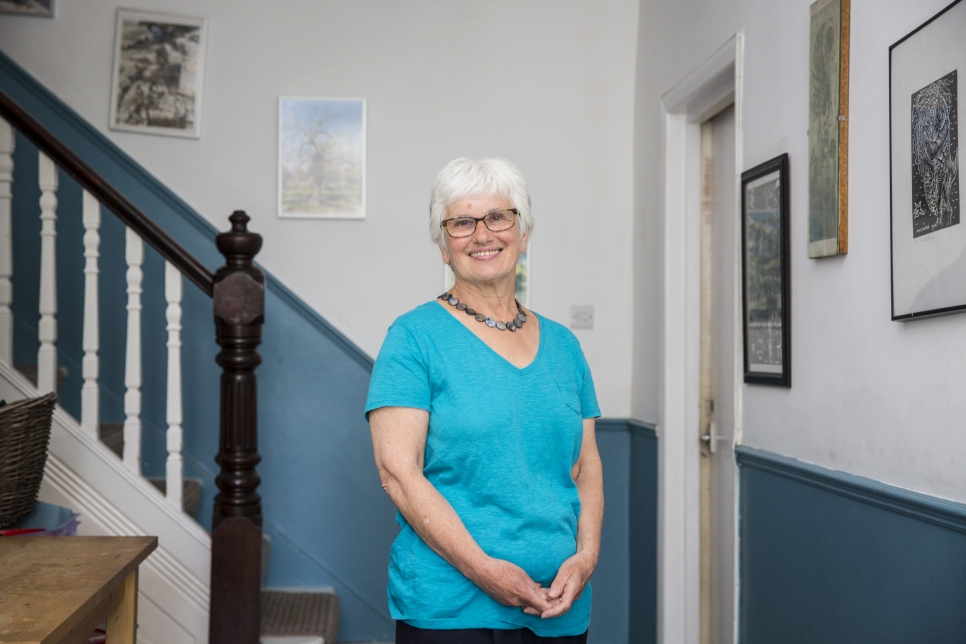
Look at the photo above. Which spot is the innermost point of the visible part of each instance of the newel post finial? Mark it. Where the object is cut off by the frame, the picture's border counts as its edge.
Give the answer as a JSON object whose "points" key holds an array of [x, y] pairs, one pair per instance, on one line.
{"points": [[236, 536]]}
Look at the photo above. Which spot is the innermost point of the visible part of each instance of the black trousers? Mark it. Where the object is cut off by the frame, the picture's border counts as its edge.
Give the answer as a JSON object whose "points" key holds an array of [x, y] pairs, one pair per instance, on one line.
{"points": [[406, 634]]}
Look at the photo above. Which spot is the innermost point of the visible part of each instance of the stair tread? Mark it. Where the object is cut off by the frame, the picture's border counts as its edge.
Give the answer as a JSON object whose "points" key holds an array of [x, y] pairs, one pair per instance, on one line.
{"points": [[190, 492], [286, 612], [112, 435], [29, 371]]}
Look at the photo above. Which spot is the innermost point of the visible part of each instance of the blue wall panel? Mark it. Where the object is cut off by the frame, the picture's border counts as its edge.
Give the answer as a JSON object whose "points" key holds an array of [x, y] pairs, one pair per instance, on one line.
{"points": [[834, 558], [610, 582], [642, 563]]}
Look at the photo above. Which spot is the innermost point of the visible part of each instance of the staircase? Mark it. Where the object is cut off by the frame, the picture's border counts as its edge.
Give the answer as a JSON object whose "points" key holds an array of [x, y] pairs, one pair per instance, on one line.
{"points": [[84, 476], [195, 587], [111, 436]]}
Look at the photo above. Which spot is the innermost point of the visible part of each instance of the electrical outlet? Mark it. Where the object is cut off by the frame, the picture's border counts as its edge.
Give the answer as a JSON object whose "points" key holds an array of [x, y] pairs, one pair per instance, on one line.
{"points": [[581, 317]]}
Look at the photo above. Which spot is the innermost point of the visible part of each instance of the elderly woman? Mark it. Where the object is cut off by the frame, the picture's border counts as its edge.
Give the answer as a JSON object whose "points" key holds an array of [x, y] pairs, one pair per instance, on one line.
{"points": [[482, 417]]}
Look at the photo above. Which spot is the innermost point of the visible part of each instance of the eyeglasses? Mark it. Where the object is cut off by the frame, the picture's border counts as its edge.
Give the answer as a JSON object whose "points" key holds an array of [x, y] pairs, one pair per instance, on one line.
{"points": [[495, 221]]}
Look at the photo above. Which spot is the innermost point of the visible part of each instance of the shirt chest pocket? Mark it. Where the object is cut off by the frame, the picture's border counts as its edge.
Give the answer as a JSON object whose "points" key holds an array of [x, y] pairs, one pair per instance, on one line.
{"points": [[567, 386]]}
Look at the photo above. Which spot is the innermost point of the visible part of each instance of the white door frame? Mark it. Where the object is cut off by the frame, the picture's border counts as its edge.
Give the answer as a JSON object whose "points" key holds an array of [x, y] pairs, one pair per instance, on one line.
{"points": [[715, 84]]}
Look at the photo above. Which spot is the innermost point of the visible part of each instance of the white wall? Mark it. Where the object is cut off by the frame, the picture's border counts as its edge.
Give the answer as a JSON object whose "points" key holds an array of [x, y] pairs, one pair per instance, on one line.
{"points": [[870, 396], [546, 83]]}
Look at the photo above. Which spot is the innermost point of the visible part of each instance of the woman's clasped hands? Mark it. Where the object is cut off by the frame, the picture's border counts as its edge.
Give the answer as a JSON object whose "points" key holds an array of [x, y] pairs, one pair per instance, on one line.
{"points": [[508, 584]]}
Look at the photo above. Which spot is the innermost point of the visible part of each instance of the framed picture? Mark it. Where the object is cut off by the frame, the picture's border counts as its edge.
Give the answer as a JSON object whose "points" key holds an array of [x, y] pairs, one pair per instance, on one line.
{"points": [[828, 129], [158, 71], [928, 240], [766, 271], [44, 8], [322, 158], [522, 285]]}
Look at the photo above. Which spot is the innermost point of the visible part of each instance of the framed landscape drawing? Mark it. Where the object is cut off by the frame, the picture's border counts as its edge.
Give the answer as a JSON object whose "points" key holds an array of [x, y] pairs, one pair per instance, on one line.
{"points": [[828, 129], [766, 271], [928, 239], [322, 158], [522, 285], [44, 8], [159, 62]]}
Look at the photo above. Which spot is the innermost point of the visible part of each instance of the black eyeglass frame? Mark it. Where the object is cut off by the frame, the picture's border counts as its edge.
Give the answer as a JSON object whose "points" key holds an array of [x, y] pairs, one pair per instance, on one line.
{"points": [[516, 213]]}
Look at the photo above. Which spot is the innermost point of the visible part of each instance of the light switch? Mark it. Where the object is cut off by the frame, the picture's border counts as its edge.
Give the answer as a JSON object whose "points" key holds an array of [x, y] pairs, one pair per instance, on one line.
{"points": [[582, 317]]}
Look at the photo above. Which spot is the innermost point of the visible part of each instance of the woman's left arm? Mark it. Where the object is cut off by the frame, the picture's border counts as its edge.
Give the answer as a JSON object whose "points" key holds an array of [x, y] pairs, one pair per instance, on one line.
{"points": [[575, 572]]}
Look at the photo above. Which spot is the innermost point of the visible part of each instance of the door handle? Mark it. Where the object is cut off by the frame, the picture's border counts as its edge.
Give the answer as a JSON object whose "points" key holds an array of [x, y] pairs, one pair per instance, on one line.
{"points": [[711, 438]]}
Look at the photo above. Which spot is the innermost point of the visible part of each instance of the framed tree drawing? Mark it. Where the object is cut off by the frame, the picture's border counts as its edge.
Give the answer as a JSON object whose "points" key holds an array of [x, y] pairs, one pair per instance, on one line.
{"points": [[928, 240], [322, 158], [828, 129], [766, 272], [158, 73]]}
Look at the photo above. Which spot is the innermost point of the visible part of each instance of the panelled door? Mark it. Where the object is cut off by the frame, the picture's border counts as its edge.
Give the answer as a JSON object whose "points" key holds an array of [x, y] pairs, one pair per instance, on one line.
{"points": [[718, 377]]}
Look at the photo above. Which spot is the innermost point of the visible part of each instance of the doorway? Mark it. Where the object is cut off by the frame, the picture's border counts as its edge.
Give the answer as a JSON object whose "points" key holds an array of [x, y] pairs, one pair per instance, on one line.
{"points": [[697, 592], [716, 426]]}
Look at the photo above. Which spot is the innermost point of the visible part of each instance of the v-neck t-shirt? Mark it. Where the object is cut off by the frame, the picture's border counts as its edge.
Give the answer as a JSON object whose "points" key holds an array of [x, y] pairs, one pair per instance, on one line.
{"points": [[500, 447]]}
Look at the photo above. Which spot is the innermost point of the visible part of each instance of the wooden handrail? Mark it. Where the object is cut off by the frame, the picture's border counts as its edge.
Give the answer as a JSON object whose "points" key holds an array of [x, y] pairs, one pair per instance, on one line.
{"points": [[107, 195]]}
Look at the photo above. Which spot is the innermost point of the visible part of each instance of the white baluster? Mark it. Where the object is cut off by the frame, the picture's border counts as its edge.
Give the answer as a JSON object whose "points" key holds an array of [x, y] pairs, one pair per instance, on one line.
{"points": [[90, 395], [6, 242], [47, 355], [134, 252], [175, 467]]}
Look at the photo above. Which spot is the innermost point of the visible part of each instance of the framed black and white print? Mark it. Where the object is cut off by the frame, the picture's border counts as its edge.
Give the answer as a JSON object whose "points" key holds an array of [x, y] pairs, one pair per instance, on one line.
{"points": [[928, 239], [43, 8], [766, 270], [159, 62]]}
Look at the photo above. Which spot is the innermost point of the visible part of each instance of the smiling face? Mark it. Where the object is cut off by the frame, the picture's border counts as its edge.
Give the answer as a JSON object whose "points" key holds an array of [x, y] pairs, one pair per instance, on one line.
{"points": [[484, 258]]}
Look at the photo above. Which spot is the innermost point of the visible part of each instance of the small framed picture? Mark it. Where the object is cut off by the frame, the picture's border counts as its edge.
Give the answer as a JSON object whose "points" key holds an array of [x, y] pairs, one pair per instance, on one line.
{"points": [[828, 128], [43, 8], [521, 286], [158, 73], [766, 271], [928, 238], [322, 158]]}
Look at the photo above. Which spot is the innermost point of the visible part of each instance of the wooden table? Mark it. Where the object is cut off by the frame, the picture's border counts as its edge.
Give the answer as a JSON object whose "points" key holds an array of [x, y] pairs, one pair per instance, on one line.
{"points": [[57, 590]]}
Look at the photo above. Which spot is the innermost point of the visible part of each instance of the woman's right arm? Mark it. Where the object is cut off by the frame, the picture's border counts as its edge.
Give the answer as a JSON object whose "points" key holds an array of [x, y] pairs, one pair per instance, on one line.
{"points": [[399, 442]]}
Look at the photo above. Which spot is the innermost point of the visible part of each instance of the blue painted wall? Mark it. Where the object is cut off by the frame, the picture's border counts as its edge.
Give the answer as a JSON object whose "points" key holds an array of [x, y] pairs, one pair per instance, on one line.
{"points": [[329, 520], [834, 558], [608, 619], [642, 563]]}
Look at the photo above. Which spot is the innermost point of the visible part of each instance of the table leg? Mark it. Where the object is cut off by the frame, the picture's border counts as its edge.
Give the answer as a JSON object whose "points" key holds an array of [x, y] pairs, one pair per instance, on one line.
{"points": [[122, 622]]}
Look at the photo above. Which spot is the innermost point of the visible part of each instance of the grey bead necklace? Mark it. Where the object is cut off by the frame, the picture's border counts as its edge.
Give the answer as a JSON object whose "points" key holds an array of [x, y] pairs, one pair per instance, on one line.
{"points": [[512, 325]]}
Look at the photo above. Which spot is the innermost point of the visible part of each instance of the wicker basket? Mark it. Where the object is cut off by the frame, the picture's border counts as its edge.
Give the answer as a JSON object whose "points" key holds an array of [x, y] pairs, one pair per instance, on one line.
{"points": [[24, 432]]}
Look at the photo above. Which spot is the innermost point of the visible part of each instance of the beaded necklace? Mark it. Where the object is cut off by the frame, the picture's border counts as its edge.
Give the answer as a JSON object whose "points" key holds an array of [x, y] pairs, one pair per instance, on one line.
{"points": [[512, 325]]}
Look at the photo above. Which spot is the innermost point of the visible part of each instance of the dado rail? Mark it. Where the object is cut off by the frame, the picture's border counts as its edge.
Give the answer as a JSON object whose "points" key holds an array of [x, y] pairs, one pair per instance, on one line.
{"points": [[238, 296]]}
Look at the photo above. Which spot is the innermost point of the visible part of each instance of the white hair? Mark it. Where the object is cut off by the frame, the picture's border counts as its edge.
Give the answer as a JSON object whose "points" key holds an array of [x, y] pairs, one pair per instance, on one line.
{"points": [[465, 178]]}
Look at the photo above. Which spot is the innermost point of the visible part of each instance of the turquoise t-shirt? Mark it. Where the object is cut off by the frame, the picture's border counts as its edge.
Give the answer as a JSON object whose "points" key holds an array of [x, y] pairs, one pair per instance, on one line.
{"points": [[501, 444]]}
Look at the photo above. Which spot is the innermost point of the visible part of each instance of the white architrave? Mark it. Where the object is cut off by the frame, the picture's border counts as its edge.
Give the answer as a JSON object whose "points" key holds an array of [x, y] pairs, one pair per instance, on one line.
{"points": [[6, 242], [134, 253], [705, 91], [90, 394], [174, 469], [47, 354]]}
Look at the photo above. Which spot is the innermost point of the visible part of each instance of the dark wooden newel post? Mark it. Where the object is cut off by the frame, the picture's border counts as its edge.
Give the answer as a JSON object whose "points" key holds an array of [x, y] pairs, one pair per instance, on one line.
{"points": [[236, 535]]}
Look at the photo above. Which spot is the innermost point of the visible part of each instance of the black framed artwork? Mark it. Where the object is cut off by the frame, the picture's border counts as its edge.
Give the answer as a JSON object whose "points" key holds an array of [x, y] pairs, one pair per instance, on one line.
{"points": [[928, 242], [766, 271]]}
